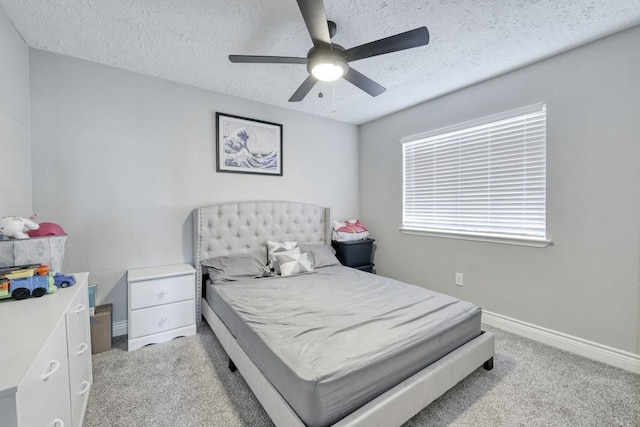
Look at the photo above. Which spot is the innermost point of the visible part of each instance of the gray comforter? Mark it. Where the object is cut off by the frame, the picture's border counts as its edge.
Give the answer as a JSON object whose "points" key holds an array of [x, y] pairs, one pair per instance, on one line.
{"points": [[332, 340]]}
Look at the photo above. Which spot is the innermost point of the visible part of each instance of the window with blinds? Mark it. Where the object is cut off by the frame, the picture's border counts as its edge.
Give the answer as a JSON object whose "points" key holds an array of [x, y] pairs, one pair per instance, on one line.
{"points": [[484, 178]]}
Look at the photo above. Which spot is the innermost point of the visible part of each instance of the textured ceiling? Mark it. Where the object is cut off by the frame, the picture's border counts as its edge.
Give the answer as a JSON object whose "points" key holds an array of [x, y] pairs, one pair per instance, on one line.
{"points": [[188, 41]]}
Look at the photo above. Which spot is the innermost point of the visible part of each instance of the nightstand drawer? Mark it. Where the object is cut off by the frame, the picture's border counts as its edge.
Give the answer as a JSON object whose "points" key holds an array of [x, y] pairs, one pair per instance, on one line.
{"points": [[166, 290], [152, 320]]}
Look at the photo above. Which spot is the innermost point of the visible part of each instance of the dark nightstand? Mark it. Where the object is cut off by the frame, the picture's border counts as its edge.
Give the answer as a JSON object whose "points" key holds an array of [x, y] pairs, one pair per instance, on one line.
{"points": [[357, 254]]}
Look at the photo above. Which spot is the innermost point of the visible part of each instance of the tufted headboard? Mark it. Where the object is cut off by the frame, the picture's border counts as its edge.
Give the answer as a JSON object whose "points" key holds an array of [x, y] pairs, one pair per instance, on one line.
{"points": [[237, 228]]}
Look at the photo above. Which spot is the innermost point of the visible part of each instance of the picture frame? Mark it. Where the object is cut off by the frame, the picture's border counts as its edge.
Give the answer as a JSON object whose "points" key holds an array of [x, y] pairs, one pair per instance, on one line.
{"points": [[245, 145]]}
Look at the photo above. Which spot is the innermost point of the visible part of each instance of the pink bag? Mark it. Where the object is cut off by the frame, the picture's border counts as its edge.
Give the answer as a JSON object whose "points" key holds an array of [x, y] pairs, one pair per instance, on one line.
{"points": [[352, 227], [349, 231]]}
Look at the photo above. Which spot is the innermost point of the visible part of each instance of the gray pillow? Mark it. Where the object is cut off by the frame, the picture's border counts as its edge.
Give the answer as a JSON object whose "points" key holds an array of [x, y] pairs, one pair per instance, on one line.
{"points": [[235, 267], [322, 255]]}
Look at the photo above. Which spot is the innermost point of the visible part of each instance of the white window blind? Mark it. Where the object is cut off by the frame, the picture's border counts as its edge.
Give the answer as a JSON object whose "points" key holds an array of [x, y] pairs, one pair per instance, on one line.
{"points": [[484, 178]]}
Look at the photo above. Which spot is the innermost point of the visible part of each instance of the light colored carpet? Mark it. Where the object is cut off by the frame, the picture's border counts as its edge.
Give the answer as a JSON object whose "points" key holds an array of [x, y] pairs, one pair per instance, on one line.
{"points": [[186, 382]]}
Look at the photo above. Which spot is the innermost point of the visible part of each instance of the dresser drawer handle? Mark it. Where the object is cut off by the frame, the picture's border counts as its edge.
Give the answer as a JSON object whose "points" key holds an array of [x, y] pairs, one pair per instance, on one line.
{"points": [[80, 308], [163, 319], [83, 348], [58, 423], [53, 367], [163, 292], [85, 387]]}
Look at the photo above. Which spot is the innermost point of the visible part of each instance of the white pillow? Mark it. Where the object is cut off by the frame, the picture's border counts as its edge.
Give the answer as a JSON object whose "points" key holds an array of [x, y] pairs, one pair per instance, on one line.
{"points": [[292, 263], [276, 264], [274, 247]]}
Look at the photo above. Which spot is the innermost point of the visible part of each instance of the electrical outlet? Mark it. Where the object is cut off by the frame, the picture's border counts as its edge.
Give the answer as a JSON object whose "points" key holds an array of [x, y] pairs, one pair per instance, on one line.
{"points": [[459, 279]]}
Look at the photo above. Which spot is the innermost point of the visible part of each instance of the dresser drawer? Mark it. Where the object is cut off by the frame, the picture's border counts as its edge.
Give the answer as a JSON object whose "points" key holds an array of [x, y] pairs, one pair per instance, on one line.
{"points": [[146, 321], [43, 393], [149, 293], [79, 350], [78, 323]]}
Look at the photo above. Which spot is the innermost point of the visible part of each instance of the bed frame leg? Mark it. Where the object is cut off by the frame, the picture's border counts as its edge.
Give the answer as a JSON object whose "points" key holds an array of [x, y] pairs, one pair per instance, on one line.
{"points": [[488, 365], [232, 366]]}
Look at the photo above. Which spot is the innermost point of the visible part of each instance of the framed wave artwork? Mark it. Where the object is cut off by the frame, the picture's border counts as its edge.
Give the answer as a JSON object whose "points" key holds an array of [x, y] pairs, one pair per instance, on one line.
{"points": [[248, 146]]}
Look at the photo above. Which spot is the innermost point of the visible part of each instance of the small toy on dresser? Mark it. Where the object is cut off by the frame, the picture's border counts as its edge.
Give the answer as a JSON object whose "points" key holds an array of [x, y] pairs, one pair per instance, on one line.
{"points": [[20, 282], [64, 280]]}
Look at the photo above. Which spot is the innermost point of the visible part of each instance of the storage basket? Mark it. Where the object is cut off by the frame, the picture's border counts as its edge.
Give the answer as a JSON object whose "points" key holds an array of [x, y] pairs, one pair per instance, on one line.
{"points": [[47, 250]]}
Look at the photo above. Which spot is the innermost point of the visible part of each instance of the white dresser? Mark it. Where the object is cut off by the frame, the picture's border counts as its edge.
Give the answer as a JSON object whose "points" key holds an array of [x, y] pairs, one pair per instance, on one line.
{"points": [[45, 354], [161, 304]]}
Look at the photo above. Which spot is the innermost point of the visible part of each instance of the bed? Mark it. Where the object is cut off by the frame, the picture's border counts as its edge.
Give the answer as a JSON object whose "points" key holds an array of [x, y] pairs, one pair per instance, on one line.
{"points": [[294, 352]]}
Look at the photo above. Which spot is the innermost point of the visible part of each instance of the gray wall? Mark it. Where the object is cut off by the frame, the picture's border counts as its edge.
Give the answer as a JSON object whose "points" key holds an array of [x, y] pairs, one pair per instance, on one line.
{"points": [[586, 284], [15, 185], [123, 159]]}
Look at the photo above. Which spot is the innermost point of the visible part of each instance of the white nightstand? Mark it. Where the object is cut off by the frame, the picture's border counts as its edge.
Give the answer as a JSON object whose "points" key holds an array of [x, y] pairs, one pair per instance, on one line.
{"points": [[161, 304]]}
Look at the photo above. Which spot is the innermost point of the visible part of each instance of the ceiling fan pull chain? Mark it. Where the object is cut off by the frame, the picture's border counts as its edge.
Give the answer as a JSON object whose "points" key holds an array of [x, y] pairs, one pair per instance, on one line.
{"points": [[333, 99]]}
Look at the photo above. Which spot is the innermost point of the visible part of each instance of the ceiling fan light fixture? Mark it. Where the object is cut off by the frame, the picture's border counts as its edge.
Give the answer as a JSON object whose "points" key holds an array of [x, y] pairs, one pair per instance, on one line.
{"points": [[327, 66], [328, 71]]}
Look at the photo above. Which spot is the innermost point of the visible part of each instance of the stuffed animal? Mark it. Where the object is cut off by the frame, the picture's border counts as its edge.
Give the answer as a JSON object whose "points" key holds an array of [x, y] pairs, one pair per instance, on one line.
{"points": [[15, 226]]}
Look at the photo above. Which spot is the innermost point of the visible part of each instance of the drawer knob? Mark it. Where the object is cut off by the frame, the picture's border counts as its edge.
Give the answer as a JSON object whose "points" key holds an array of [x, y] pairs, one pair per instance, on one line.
{"points": [[85, 387], [83, 348], [53, 367], [163, 292], [58, 423], [163, 319]]}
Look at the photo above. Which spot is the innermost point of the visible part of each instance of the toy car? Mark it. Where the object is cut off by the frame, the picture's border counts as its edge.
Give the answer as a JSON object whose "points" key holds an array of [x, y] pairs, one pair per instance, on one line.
{"points": [[23, 281], [63, 280]]}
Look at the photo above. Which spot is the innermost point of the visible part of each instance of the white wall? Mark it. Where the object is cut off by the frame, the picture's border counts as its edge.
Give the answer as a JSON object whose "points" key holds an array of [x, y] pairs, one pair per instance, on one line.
{"points": [[15, 184], [123, 159], [586, 284]]}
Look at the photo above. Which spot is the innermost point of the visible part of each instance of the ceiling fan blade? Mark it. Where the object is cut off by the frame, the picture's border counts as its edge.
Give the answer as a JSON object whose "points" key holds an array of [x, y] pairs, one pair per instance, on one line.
{"points": [[304, 89], [402, 41], [316, 20], [257, 59], [363, 82]]}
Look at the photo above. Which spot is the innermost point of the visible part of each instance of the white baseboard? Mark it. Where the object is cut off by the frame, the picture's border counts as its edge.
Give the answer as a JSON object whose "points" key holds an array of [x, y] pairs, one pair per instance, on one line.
{"points": [[120, 328], [602, 353]]}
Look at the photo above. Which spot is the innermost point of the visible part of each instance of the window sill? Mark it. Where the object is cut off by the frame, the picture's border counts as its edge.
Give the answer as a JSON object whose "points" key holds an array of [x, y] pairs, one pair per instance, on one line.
{"points": [[536, 243]]}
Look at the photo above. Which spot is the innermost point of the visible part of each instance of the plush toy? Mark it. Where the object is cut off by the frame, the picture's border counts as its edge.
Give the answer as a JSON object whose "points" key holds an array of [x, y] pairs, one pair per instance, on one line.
{"points": [[15, 226]]}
